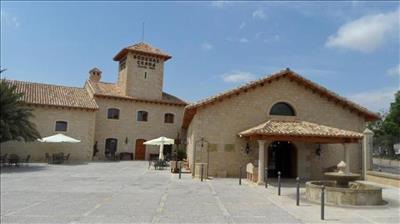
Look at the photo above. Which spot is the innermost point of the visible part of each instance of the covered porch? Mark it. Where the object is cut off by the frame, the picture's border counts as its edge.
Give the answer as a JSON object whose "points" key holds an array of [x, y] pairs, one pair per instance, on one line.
{"points": [[283, 133]]}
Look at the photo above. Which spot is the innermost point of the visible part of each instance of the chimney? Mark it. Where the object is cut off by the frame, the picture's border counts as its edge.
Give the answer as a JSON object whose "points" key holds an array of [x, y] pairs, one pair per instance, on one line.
{"points": [[95, 75]]}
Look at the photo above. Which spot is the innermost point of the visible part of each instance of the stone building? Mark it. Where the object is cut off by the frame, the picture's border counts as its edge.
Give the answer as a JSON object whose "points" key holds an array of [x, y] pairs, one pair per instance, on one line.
{"points": [[113, 118], [282, 122]]}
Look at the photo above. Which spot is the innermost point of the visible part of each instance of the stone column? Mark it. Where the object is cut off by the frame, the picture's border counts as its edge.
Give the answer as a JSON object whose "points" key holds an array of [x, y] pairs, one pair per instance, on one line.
{"points": [[346, 157], [367, 151], [261, 161]]}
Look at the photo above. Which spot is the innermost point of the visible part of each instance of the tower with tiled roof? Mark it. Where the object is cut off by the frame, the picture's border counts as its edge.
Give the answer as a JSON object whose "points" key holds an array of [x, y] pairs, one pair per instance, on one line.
{"points": [[141, 71]]}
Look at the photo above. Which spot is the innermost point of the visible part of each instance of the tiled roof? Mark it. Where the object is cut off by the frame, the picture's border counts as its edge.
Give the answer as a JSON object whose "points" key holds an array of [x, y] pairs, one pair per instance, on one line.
{"points": [[296, 128], [54, 95], [142, 48], [113, 90], [190, 110]]}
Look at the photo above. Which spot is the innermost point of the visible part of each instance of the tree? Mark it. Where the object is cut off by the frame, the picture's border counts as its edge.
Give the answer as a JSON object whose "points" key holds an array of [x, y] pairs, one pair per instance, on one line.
{"points": [[387, 130], [15, 115]]}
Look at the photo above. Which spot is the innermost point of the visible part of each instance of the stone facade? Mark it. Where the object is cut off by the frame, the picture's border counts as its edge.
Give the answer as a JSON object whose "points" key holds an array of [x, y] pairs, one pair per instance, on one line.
{"points": [[139, 88], [81, 125], [127, 126], [220, 123], [142, 81]]}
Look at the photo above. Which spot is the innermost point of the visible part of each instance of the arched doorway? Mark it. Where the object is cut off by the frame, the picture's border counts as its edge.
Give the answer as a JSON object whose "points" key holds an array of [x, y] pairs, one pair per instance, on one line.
{"points": [[282, 156], [140, 149]]}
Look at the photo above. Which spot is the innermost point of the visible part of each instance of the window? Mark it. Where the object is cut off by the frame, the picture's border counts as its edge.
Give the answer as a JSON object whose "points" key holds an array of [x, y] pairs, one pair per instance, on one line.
{"points": [[282, 109], [168, 118], [142, 116], [113, 113], [61, 125], [111, 147]]}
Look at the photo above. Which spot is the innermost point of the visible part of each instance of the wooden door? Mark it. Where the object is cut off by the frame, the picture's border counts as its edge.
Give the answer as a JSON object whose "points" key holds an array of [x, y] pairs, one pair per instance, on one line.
{"points": [[140, 149]]}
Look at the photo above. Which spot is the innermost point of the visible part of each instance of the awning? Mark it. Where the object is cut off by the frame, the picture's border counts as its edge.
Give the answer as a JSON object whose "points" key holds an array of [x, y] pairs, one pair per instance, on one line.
{"points": [[59, 138], [297, 130]]}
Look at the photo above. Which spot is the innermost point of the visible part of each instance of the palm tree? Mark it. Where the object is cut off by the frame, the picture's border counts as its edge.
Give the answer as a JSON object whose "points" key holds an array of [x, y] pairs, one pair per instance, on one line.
{"points": [[15, 115]]}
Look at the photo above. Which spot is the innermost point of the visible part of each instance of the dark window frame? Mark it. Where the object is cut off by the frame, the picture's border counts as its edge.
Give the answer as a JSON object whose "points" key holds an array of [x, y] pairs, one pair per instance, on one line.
{"points": [[169, 118], [142, 116], [282, 109], [114, 116], [61, 129]]}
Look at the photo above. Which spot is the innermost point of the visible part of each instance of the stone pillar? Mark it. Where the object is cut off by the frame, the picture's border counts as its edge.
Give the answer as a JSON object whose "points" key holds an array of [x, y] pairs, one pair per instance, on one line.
{"points": [[367, 151], [346, 158], [261, 164]]}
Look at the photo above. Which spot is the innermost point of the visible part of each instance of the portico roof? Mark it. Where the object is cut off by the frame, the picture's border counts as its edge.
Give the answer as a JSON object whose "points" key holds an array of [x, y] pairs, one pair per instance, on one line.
{"points": [[297, 130]]}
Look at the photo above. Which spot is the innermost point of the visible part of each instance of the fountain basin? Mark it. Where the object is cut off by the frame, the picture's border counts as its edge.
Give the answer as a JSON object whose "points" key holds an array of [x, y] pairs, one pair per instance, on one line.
{"points": [[355, 194], [342, 179]]}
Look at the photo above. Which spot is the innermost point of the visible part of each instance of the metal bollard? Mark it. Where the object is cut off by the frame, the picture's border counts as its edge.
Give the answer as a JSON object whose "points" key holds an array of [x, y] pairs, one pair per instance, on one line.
{"points": [[298, 191], [201, 172], [180, 170], [266, 177], [240, 176], [279, 183], [323, 202]]}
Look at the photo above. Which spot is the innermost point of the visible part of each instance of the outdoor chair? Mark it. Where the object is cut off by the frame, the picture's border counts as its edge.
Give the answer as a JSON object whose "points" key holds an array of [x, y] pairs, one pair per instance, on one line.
{"points": [[13, 159], [67, 157], [47, 157], [3, 159], [26, 160], [58, 158]]}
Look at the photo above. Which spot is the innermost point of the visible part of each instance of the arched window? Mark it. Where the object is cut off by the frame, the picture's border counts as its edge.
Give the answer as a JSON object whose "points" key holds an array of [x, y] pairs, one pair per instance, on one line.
{"points": [[111, 147], [61, 126], [113, 113], [282, 109], [142, 115], [169, 118]]}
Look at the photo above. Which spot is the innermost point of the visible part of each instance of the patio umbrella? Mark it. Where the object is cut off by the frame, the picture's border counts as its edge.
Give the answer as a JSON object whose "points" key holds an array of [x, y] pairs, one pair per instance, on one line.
{"points": [[59, 138], [161, 141]]}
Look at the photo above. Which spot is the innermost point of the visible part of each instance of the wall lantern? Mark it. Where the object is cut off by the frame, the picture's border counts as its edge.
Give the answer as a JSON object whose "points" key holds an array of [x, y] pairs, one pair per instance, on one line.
{"points": [[318, 150], [126, 140], [247, 148]]}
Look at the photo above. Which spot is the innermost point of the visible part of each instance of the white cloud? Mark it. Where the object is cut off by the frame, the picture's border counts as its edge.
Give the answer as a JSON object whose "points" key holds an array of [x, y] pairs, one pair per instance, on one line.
{"points": [[242, 25], [375, 100], [9, 20], [395, 71], [207, 46], [258, 14], [220, 4], [238, 76], [243, 40], [240, 40], [367, 33]]}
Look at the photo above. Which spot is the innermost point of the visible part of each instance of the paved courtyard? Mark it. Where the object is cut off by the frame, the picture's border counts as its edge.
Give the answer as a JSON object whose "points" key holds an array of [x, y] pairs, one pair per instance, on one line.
{"points": [[127, 192]]}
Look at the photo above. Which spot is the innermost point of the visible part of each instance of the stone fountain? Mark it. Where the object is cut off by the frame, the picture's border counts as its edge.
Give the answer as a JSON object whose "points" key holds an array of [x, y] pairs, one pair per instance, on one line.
{"points": [[341, 177], [342, 190]]}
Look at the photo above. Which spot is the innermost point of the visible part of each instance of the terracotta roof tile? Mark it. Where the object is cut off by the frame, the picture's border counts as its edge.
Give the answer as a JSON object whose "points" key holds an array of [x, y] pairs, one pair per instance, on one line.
{"points": [[142, 48], [54, 95], [113, 90], [298, 129]]}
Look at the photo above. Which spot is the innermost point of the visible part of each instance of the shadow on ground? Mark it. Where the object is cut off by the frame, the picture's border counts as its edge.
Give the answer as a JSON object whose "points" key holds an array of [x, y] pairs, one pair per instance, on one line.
{"points": [[21, 169]]}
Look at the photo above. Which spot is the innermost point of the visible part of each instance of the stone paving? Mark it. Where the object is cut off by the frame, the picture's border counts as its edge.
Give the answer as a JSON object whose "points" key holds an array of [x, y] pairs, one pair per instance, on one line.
{"points": [[127, 192]]}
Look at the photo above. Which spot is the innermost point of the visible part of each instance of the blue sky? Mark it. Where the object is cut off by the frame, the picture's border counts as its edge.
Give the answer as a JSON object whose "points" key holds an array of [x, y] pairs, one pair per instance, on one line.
{"points": [[351, 48]]}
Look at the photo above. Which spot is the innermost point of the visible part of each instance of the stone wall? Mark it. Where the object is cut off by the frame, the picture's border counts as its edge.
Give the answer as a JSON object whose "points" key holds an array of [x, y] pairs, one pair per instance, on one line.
{"points": [[127, 126], [81, 125], [220, 123], [138, 84]]}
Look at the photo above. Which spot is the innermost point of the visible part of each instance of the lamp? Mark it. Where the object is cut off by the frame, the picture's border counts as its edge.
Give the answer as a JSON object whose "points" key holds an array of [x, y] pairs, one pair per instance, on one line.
{"points": [[247, 148], [126, 140], [318, 150]]}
